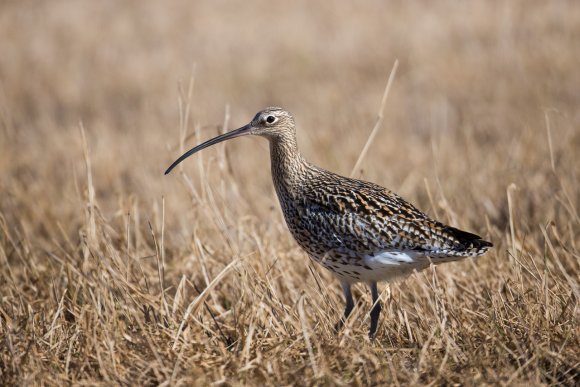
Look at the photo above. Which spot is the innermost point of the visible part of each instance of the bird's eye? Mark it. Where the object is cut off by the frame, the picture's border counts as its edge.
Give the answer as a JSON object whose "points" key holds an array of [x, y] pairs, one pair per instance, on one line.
{"points": [[270, 119]]}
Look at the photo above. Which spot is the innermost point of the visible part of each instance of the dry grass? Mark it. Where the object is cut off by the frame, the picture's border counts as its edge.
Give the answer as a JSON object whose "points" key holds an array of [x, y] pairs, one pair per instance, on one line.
{"points": [[112, 273]]}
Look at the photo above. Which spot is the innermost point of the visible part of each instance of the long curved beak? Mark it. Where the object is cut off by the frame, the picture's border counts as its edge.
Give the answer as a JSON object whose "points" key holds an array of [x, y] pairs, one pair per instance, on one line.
{"points": [[226, 136]]}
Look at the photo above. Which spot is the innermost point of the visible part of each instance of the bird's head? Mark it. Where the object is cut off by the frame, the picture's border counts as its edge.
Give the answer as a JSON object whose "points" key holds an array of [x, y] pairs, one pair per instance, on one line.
{"points": [[273, 123]]}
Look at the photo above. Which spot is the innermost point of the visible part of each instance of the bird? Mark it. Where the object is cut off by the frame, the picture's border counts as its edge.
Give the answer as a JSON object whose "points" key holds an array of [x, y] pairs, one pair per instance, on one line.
{"points": [[358, 230]]}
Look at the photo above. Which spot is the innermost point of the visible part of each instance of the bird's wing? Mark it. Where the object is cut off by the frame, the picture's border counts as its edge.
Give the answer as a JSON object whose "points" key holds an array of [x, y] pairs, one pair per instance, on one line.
{"points": [[365, 217]]}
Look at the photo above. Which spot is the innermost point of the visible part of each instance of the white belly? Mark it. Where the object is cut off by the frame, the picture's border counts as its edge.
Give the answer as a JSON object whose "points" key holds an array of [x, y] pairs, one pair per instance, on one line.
{"points": [[390, 266]]}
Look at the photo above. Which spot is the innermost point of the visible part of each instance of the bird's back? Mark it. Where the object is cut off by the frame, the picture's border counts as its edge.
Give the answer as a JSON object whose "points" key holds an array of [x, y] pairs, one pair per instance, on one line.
{"points": [[342, 219]]}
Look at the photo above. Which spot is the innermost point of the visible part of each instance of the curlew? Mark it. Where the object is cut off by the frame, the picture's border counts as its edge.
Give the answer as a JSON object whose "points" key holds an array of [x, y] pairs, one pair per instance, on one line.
{"points": [[358, 230]]}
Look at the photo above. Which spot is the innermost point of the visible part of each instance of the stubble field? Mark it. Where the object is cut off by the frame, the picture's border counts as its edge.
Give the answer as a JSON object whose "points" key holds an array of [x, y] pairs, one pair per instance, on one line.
{"points": [[111, 273]]}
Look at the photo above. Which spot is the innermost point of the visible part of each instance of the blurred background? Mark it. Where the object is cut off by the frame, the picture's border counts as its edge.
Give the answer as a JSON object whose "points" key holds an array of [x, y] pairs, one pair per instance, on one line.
{"points": [[486, 97]]}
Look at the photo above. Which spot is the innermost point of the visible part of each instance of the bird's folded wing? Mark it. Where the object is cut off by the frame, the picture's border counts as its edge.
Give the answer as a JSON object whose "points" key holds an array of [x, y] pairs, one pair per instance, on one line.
{"points": [[370, 218]]}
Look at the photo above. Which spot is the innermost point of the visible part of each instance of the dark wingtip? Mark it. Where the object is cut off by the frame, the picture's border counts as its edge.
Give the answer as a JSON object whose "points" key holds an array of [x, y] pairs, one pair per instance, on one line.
{"points": [[481, 244], [484, 243], [467, 238]]}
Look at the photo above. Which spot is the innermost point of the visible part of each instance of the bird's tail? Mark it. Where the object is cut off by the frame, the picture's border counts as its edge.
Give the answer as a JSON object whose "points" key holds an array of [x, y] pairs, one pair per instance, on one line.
{"points": [[469, 245]]}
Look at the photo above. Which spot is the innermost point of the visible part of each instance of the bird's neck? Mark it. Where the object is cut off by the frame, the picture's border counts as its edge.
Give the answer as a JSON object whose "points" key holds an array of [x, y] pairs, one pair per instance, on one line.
{"points": [[288, 166]]}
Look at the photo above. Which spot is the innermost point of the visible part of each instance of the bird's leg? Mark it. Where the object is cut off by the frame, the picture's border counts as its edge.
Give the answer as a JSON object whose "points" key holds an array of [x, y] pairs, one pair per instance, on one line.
{"points": [[349, 305], [376, 310]]}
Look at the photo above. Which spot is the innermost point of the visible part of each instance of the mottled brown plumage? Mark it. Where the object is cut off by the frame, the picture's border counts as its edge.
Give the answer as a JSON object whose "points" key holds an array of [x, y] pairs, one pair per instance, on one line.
{"points": [[358, 230]]}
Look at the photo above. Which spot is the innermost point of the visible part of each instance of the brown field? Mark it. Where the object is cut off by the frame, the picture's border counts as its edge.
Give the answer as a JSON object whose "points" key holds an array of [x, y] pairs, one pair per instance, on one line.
{"points": [[111, 273]]}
